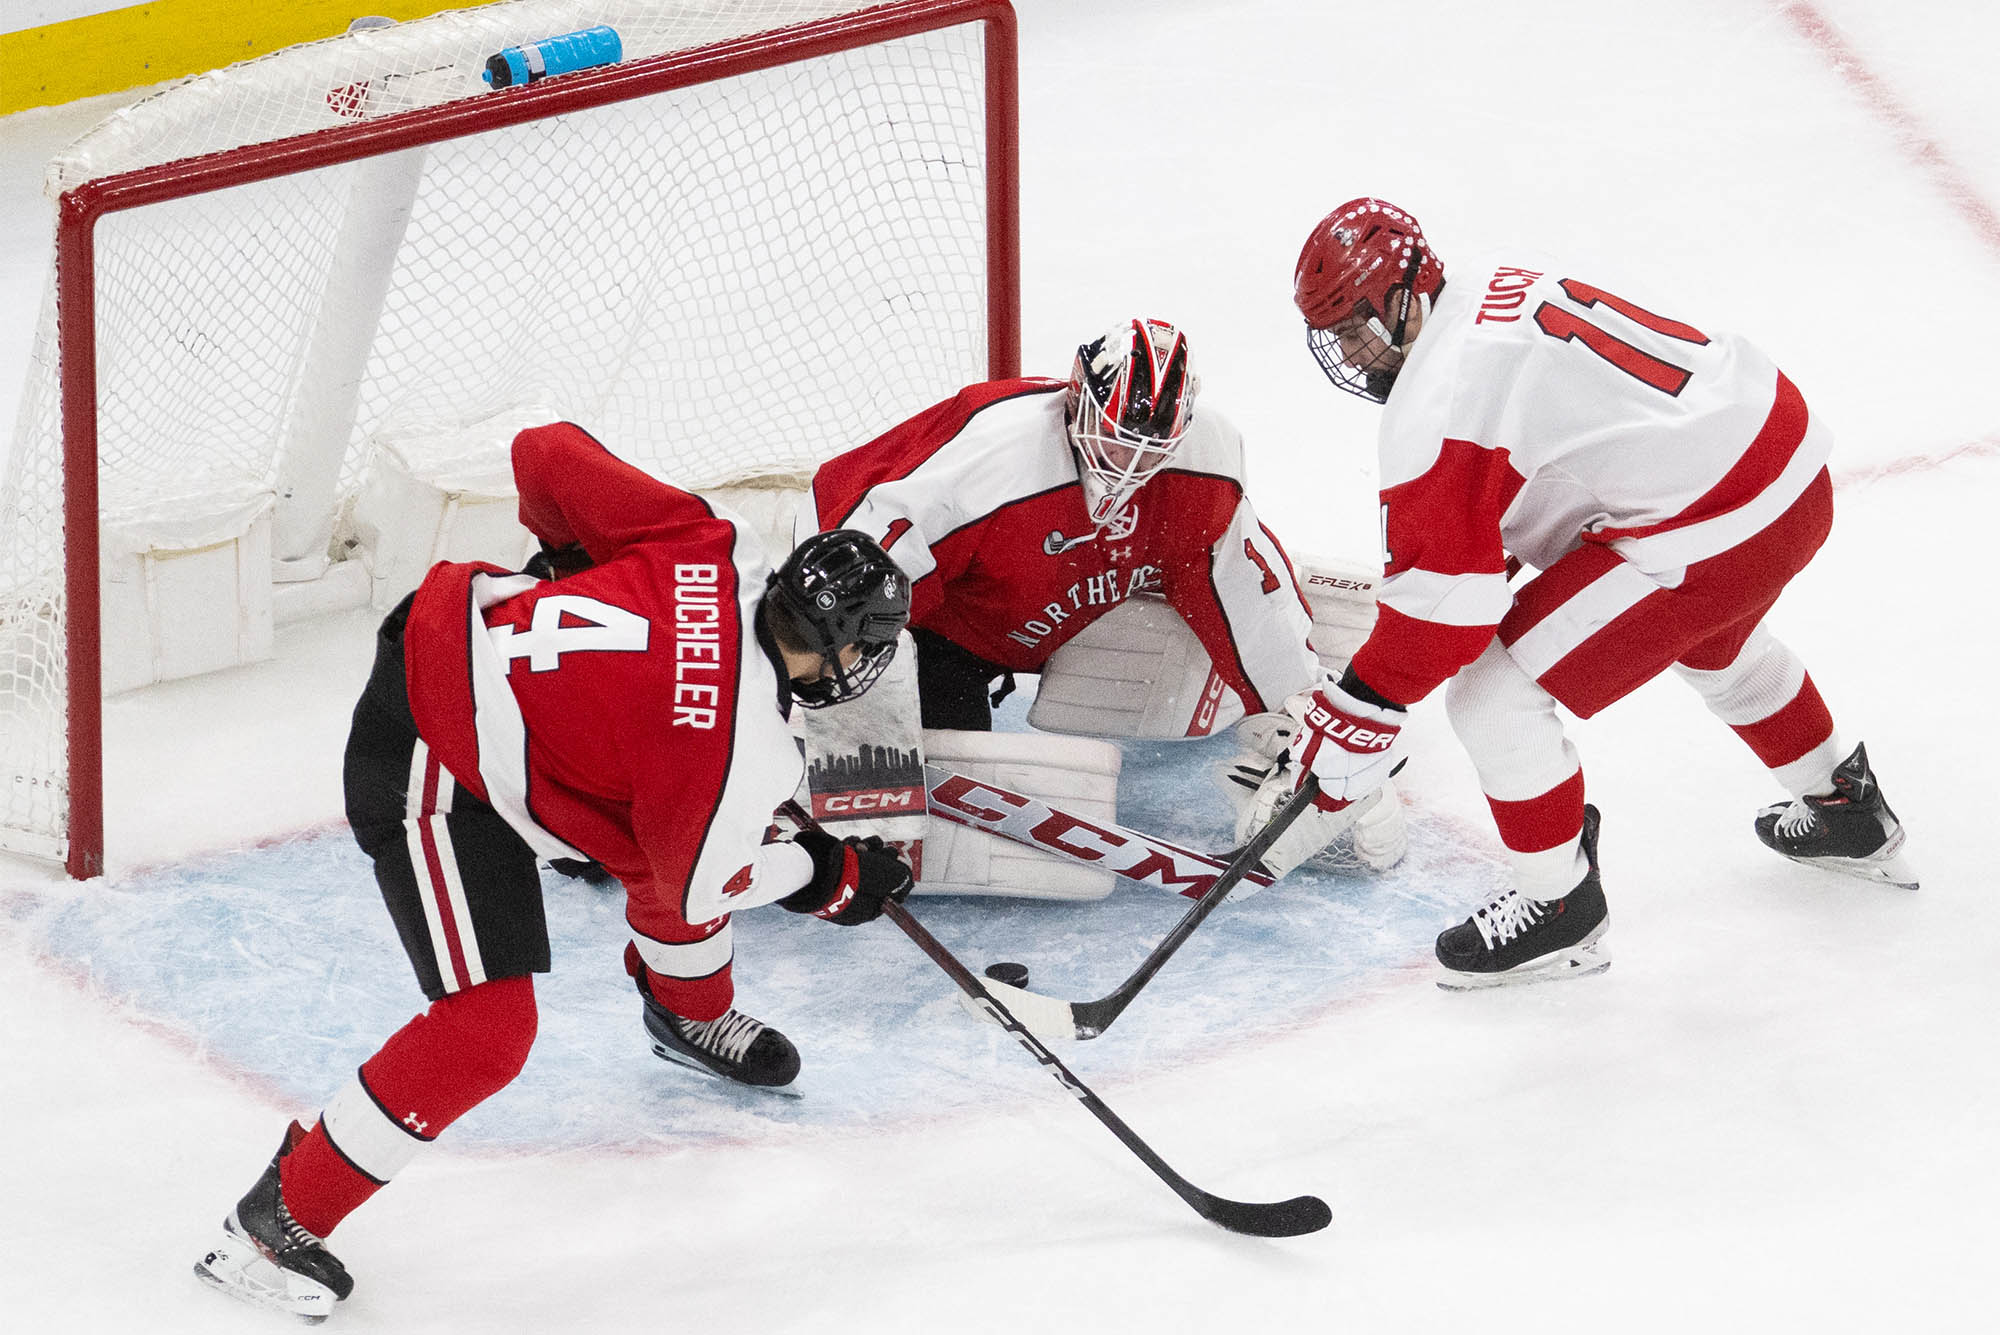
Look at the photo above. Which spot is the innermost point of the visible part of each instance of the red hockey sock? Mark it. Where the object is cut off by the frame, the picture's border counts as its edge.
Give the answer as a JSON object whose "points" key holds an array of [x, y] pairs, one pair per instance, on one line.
{"points": [[690, 998], [1790, 731], [430, 1073], [320, 1187]]}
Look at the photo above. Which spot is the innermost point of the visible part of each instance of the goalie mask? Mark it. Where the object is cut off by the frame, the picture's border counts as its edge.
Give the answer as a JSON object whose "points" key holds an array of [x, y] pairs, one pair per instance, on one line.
{"points": [[839, 589], [1365, 267], [1131, 397]]}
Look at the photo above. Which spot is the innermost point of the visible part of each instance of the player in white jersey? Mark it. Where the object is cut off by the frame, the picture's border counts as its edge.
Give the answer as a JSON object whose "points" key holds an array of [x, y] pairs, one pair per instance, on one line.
{"points": [[1665, 481]]}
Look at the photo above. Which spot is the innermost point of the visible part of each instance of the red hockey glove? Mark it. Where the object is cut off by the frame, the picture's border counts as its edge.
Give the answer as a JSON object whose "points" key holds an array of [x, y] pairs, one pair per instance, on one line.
{"points": [[852, 878], [1349, 744]]}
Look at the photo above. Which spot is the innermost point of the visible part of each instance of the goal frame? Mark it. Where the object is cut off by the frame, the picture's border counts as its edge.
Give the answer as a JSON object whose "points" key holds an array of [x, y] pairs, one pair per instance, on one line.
{"points": [[79, 209]]}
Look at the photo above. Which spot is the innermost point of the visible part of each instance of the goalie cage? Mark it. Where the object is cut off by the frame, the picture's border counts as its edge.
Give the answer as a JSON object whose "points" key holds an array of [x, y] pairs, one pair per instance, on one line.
{"points": [[279, 280]]}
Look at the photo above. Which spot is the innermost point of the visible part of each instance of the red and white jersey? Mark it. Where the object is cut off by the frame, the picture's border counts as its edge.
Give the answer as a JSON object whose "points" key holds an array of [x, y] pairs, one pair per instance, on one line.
{"points": [[980, 500], [627, 712], [1538, 412]]}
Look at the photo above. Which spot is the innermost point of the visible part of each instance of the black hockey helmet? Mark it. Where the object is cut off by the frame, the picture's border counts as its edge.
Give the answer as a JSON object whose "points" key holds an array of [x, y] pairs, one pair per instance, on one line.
{"points": [[835, 589]]}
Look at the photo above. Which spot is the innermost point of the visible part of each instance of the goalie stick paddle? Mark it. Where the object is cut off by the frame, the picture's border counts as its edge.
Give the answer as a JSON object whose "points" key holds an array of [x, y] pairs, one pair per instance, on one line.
{"points": [[1088, 1019], [1272, 1219], [983, 804]]}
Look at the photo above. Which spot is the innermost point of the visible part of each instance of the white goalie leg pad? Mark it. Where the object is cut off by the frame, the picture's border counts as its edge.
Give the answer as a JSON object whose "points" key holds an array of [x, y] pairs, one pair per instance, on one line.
{"points": [[1341, 595], [1079, 775], [769, 505], [1137, 671]]}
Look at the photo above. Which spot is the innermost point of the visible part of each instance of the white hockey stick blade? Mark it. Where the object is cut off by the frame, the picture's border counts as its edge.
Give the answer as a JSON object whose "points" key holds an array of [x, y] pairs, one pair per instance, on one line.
{"points": [[1140, 857], [1049, 1019]]}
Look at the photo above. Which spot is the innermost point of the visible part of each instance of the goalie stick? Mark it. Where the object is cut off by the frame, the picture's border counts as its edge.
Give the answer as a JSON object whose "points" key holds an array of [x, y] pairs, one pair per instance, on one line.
{"points": [[1262, 1219], [1088, 1019], [985, 805]]}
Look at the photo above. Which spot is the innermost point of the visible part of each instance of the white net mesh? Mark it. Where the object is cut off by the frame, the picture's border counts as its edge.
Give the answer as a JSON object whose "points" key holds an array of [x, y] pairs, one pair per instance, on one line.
{"points": [[724, 281]]}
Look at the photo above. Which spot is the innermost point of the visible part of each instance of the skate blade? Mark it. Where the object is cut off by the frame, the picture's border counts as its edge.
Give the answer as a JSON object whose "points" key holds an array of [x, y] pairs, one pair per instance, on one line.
{"points": [[1894, 870], [1579, 961], [667, 1054], [237, 1268]]}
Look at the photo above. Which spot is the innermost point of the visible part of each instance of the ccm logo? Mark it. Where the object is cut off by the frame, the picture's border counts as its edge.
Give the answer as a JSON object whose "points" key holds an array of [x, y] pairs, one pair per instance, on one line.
{"points": [[904, 799], [1348, 733]]}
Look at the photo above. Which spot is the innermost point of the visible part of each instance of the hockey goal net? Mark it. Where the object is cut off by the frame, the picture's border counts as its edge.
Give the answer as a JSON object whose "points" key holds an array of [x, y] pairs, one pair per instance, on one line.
{"points": [[772, 229]]}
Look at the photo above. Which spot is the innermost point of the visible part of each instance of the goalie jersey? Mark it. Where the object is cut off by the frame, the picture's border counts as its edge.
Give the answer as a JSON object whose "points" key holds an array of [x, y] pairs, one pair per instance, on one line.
{"points": [[629, 712], [980, 500], [1538, 412]]}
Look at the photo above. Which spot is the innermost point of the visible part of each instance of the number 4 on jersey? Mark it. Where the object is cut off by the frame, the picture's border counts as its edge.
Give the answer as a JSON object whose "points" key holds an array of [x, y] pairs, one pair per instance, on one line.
{"points": [[570, 623], [1566, 325]]}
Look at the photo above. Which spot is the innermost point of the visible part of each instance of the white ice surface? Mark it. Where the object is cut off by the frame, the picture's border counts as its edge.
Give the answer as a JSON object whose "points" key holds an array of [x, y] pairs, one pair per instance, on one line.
{"points": [[1777, 1110]]}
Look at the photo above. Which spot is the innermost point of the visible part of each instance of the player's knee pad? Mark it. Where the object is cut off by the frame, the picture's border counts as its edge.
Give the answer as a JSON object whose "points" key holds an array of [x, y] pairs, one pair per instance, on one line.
{"points": [[1078, 775], [1509, 727], [492, 1028]]}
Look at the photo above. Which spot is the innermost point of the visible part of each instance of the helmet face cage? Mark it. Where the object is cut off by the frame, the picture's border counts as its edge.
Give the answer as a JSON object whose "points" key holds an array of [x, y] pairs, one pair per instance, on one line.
{"points": [[1354, 265], [1131, 399], [840, 589]]}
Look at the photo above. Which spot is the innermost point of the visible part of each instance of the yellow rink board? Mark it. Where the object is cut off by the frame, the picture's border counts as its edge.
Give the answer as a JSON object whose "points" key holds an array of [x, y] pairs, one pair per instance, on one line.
{"points": [[169, 39]]}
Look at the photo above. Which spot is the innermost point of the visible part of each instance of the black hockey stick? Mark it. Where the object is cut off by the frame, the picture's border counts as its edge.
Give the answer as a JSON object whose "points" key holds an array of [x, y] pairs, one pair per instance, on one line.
{"points": [[1273, 1219], [1088, 1019]]}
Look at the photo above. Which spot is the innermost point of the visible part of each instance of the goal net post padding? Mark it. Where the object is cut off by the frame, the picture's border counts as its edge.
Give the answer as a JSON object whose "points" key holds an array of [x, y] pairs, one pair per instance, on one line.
{"points": [[769, 232]]}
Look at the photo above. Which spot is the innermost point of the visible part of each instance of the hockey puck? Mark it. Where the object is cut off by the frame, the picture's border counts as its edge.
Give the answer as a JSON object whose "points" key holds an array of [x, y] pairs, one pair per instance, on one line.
{"points": [[1013, 975]]}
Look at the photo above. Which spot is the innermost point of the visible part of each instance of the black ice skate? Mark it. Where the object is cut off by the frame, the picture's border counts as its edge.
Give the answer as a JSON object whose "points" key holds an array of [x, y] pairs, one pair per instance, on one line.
{"points": [[733, 1045], [1515, 939], [266, 1257], [1852, 831]]}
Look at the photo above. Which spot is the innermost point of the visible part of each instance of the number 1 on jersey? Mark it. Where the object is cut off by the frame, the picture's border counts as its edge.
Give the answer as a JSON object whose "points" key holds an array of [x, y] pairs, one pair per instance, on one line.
{"points": [[1635, 362]]}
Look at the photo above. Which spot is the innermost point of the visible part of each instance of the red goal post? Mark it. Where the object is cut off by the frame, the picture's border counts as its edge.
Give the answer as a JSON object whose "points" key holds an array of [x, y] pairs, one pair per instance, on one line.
{"points": [[882, 312]]}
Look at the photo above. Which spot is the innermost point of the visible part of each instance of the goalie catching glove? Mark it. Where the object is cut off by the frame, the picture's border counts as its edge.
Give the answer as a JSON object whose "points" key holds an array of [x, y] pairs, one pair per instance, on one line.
{"points": [[852, 878], [1351, 745]]}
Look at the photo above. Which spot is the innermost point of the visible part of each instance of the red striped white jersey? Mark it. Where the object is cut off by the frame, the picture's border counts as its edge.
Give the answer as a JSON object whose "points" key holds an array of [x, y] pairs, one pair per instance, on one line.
{"points": [[980, 500], [1538, 412], [627, 712]]}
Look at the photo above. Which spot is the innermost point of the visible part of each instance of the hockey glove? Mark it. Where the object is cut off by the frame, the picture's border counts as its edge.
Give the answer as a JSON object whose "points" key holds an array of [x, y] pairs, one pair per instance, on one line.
{"points": [[556, 562], [1352, 746], [852, 878]]}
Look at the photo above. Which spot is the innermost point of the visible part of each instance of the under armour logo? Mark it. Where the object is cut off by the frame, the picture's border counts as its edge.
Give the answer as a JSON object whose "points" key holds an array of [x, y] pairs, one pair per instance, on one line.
{"points": [[410, 1120], [1056, 544], [1120, 553]]}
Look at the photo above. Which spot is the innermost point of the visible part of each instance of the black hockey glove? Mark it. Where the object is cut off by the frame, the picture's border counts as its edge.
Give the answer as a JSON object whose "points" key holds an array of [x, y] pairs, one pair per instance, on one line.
{"points": [[556, 562], [852, 878]]}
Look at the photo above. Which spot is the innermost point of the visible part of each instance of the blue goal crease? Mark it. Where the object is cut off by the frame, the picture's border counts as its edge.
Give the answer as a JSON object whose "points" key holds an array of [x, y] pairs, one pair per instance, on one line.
{"points": [[280, 961]]}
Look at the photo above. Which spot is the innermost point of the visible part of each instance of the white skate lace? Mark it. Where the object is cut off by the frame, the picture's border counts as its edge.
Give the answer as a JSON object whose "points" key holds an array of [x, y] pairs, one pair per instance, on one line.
{"points": [[1797, 819], [1506, 918], [728, 1036]]}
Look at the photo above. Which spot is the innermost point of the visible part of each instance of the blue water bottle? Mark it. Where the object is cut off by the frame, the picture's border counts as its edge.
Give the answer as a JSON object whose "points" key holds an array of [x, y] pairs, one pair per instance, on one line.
{"points": [[555, 55]]}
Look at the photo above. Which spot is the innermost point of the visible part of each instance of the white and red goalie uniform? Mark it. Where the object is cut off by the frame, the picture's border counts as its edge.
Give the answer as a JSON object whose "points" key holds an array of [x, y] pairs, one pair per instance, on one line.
{"points": [[626, 713], [981, 502], [1667, 480]]}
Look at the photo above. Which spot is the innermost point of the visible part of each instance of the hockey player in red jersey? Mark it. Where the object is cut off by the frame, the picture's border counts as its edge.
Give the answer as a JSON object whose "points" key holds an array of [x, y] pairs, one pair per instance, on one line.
{"points": [[634, 713], [1024, 510], [1664, 480]]}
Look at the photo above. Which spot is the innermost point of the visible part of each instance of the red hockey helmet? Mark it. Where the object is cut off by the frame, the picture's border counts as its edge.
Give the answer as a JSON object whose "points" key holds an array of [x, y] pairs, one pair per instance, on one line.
{"points": [[1131, 398], [1353, 265]]}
